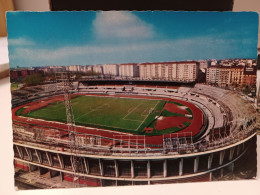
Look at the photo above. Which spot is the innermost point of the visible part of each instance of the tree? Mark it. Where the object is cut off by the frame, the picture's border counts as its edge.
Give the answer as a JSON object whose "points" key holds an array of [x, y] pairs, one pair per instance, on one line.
{"points": [[33, 79]]}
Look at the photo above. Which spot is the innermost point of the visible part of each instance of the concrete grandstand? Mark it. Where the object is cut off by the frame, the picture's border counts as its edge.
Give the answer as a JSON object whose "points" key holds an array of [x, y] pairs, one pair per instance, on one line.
{"points": [[219, 132]]}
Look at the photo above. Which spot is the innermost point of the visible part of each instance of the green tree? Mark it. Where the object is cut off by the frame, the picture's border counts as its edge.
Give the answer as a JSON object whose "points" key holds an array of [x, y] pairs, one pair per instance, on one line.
{"points": [[33, 79]]}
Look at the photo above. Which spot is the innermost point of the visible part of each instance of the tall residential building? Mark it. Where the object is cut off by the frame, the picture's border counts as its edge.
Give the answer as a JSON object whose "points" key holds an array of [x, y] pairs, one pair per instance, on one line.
{"points": [[79, 68], [235, 76], [224, 76], [177, 71], [110, 69], [97, 69], [250, 75], [212, 75], [73, 68], [83, 69], [56, 68], [128, 70], [89, 68]]}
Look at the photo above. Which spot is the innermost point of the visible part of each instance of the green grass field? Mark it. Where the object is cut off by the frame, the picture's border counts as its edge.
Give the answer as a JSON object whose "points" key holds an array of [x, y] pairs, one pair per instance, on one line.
{"points": [[116, 113]]}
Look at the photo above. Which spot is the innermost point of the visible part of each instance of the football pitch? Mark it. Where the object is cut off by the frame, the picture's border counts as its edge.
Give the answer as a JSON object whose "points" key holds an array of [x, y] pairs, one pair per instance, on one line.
{"points": [[115, 113]]}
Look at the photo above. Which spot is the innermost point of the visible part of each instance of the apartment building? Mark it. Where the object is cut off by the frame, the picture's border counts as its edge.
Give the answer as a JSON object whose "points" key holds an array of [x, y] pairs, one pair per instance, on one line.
{"points": [[128, 70], [177, 71], [235, 76], [110, 69], [97, 69], [212, 75]]}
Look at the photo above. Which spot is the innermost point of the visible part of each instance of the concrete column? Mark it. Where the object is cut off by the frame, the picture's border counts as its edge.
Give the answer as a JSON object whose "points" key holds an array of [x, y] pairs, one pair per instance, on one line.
{"points": [[231, 167], [221, 172], [116, 169], [165, 168], [101, 168], [231, 153], [148, 169], [38, 156], [181, 167], [19, 151], [72, 164], [196, 164], [49, 158], [221, 157], [238, 149], [61, 176], [101, 182], [132, 169], [210, 158], [210, 176], [60, 158], [28, 152], [86, 165]]}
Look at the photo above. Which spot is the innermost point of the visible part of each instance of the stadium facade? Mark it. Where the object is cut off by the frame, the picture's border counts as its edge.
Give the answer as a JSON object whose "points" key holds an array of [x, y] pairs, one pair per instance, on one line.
{"points": [[103, 157]]}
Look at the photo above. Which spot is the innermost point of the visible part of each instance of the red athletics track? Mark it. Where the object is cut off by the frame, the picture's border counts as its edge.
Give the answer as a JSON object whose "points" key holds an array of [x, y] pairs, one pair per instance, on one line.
{"points": [[171, 121], [193, 129]]}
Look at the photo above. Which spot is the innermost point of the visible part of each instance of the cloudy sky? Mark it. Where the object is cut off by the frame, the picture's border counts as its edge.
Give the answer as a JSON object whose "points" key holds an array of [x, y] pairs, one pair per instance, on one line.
{"points": [[86, 38]]}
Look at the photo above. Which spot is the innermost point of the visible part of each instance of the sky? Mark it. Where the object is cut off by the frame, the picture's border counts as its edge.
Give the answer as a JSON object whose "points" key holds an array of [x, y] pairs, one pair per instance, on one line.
{"points": [[88, 38]]}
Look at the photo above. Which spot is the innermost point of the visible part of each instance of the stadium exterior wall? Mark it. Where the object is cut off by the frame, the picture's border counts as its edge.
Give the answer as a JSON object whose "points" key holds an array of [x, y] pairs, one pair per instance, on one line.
{"points": [[100, 168]]}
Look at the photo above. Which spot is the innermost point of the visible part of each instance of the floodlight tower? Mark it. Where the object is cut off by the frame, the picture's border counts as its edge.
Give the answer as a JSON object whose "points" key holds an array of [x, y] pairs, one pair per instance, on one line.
{"points": [[67, 85], [65, 79]]}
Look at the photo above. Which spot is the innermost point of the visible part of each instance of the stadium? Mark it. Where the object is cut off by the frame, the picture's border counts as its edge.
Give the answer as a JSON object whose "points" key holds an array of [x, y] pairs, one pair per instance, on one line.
{"points": [[136, 132]]}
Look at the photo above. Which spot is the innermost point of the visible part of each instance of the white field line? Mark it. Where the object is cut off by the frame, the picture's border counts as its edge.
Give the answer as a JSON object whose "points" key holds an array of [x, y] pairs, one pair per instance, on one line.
{"points": [[97, 108], [147, 116], [107, 103], [130, 109], [93, 110], [132, 120], [104, 126], [137, 98], [85, 127], [143, 113], [124, 118]]}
